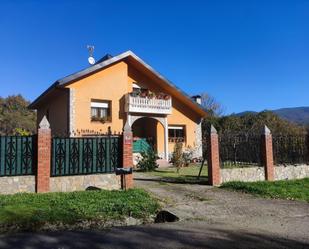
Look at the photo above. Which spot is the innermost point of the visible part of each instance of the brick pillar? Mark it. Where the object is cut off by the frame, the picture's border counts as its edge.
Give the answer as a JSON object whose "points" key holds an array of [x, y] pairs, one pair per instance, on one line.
{"points": [[267, 154], [127, 156], [213, 158], [44, 157]]}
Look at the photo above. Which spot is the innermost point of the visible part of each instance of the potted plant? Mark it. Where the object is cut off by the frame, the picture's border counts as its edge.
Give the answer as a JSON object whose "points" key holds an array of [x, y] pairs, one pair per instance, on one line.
{"points": [[167, 97], [134, 94], [99, 119], [160, 96], [144, 93], [151, 95]]}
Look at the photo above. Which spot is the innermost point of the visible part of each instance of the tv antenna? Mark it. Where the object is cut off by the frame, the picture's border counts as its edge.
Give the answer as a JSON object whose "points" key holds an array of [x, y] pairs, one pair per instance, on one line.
{"points": [[91, 59]]}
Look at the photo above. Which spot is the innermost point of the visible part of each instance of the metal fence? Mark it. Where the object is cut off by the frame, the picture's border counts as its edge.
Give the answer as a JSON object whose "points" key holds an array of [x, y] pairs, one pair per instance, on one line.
{"points": [[17, 155], [291, 149], [239, 150], [85, 155]]}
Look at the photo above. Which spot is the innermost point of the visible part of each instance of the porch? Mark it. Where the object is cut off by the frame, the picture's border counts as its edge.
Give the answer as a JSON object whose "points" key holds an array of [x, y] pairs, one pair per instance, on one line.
{"points": [[147, 116], [150, 132]]}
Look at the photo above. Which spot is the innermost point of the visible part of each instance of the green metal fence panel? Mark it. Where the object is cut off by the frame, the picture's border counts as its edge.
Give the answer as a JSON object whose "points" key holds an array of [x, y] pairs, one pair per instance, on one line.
{"points": [[141, 145], [86, 155], [17, 155]]}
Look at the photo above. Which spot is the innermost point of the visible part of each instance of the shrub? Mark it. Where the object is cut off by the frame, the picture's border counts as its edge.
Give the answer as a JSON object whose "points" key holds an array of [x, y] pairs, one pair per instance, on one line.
{"points": [[177, 156], [187, 156], [148, 161]]}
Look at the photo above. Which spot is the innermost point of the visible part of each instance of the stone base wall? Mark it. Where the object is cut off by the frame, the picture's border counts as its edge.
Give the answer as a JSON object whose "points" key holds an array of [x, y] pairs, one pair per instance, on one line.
{"points": [[291, 172], [17, 184], [82, 182], [251, 174]]}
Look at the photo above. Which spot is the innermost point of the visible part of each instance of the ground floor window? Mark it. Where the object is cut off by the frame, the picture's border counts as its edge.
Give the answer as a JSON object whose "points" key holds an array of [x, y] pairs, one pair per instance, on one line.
{"points": [[176, 133]]}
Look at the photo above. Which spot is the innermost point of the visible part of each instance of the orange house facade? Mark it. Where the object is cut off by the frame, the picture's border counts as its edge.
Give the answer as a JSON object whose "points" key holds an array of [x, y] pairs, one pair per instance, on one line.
{"points": [[122, 90]]}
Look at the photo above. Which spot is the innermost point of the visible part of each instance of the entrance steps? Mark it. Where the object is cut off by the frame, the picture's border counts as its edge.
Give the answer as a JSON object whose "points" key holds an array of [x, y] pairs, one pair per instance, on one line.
{"points": [[163, 163]]}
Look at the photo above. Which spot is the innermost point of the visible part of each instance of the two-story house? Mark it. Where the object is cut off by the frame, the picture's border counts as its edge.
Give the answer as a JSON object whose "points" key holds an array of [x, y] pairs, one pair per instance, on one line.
{"points": [[118, 90]]}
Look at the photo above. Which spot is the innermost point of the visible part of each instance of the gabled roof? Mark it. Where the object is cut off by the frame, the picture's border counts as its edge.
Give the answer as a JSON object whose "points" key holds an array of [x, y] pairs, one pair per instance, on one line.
{"points": [[105, 62]]}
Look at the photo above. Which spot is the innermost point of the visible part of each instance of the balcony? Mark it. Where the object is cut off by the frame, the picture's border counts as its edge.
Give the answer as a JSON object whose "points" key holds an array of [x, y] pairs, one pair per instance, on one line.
{"points": [[153, 104]]}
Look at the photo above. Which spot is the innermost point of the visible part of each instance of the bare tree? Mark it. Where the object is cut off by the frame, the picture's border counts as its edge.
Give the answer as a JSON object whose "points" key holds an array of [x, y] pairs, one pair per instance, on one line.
{"points": [[211, 105]]}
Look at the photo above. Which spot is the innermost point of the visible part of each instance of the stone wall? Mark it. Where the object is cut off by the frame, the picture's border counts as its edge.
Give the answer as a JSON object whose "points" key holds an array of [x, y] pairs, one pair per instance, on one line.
{"points": [[251, 174], [82, 182], [17, 184], [291, 172], [198, 149]]}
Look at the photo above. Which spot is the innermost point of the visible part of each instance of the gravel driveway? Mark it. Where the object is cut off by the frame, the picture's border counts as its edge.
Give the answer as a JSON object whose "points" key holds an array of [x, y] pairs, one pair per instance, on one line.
{"points": [[283, 218]]}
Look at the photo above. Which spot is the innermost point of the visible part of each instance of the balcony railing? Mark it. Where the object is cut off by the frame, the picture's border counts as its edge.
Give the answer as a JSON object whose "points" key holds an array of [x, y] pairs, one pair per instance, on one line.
{"points": [[148, 105]]}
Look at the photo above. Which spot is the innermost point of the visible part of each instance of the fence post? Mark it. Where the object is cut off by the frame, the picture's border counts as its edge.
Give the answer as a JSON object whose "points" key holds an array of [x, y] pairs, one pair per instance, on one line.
{"points": [[127, 180], [44, 156], [267, 154], [213, 158]]}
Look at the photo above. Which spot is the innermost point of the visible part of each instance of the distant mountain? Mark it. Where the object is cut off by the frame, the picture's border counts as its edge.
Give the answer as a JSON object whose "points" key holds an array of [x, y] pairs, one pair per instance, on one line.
{"points": [[299, 115]]}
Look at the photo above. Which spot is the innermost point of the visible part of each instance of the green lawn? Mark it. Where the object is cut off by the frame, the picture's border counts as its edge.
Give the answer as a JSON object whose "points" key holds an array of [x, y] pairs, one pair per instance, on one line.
{"points": [[32, 211], [286, 189], [186, 174]]}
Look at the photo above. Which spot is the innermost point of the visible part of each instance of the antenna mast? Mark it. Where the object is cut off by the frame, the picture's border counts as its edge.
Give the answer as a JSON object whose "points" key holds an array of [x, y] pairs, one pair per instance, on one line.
{"points": [[91, 59]]}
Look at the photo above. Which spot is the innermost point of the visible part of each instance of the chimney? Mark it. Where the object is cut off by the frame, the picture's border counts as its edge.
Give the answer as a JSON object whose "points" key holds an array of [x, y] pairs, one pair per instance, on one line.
{"points": [[197, 99]]}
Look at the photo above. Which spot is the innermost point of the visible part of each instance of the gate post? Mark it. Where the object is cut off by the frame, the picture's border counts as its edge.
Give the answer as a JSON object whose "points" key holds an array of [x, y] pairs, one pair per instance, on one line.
{"points": [[267, 154], [127, 180], [44, 157], [213, 158]]}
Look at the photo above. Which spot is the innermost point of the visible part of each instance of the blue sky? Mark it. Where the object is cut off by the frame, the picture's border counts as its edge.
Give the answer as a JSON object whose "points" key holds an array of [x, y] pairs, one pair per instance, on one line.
{"points": [[250, 55]]}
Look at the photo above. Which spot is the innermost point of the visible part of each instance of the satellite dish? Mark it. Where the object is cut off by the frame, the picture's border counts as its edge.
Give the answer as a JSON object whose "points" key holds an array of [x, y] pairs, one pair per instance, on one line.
{"points": [[91, 60]]}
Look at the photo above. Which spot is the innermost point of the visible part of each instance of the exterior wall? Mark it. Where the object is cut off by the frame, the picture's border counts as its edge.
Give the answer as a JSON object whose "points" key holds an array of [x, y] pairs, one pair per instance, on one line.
{"points": [[109, 84], [291, 172], [252, 174], [181, 114], [82, 182], [17, 184], [58, 106]]}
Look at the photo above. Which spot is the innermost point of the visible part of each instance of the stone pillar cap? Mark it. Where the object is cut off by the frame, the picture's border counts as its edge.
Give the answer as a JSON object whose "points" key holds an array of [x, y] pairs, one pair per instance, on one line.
{"points": [[213, 130], [44, 124], [266, 130]]}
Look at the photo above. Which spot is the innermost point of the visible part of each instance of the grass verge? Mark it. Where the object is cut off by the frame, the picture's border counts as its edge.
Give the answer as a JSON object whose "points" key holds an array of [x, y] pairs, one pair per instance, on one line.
{"points": [[185, 175], [33, 211], [286, 189]]}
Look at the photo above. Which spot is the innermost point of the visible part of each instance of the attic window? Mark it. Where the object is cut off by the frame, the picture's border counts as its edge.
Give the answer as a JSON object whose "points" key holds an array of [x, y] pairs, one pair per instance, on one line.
{"points": [[100, 110]]}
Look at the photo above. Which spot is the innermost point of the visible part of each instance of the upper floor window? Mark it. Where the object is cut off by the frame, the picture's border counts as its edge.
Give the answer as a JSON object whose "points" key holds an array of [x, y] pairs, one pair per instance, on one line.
{"points": [[176, 133], [101, 110]]}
